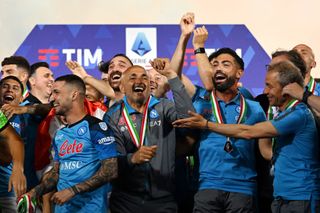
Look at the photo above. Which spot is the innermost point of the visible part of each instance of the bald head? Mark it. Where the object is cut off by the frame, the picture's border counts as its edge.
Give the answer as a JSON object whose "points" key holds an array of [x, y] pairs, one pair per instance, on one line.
{"points": [[307, 55], [135, 84]]}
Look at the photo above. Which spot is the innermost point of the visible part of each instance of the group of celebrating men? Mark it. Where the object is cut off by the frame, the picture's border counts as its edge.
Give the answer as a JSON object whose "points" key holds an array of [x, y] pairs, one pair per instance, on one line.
{"points": [[78, 144]]}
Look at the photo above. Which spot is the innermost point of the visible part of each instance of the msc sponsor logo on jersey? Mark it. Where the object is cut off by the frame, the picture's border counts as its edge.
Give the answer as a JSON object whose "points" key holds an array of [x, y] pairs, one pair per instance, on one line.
{"points": [[103, 126], [70, 148], [70, 165], [82, 130], [141, 45], [106, 140], [154, 114]]}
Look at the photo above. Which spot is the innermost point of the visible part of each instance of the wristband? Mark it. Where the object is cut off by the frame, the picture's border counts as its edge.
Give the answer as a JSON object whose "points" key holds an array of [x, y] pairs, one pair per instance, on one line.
{"points": [[199, 50], [306, 95]]}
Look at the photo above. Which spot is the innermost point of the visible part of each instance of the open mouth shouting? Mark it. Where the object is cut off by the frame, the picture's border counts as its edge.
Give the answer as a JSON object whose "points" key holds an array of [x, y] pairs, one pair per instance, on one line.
{"points": [[219, 78], [138, 88], [115, 76], [7, 98]]}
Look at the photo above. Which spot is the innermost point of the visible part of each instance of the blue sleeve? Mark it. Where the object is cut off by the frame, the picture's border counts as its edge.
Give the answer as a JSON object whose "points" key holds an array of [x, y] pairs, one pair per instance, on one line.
{"points": [[104, 141], [289, 122]]}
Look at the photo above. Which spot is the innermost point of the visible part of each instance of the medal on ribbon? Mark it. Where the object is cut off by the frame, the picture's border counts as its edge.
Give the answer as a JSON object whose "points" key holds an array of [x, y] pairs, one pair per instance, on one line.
{"points": [[218, 116], [138, 139]]}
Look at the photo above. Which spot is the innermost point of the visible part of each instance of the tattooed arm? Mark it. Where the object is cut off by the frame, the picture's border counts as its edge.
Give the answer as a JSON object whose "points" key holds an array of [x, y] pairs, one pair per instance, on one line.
{"points": [[48, 184], [107, 172]]}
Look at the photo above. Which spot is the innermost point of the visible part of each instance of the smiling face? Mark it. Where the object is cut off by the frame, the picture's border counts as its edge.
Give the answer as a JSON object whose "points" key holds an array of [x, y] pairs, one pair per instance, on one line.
{"points": [[62, 97], [273, 89], [42, 81], [226, 73], [159, 85], [117, 66], [11, 92], [135, 84], [14, 70]]}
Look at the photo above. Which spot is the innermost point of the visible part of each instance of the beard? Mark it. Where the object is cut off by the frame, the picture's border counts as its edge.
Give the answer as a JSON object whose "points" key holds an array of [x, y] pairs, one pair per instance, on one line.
{"points": [[228, 83]]}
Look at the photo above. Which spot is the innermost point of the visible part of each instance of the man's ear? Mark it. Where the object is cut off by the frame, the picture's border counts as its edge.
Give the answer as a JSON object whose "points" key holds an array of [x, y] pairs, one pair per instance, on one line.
{"points": [[24, 76], [75, 95], [239, 73], [32, 80]]}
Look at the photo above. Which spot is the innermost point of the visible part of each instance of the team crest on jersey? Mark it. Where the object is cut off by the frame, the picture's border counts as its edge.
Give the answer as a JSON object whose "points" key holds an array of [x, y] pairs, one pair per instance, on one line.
{"points": [[154, 114], [103, 126], [59, 136], [82, 130], [238, 109]]}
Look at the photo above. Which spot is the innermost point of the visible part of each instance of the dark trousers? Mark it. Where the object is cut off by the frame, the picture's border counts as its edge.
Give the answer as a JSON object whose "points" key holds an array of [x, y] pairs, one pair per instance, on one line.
{"points": [[212, 201], [127, 203], [295, 206]]}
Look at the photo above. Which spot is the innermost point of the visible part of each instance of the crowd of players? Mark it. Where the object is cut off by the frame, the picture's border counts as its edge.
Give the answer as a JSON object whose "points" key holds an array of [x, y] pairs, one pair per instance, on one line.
{"points": [[119, 144]]}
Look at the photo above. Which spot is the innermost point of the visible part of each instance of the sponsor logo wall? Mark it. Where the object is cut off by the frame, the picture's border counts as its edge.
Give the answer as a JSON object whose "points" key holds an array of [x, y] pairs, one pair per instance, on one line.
{"points": [[90, 44]]}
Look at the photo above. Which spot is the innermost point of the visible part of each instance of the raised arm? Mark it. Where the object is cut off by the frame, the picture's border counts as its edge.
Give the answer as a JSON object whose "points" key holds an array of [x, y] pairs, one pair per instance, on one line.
{"points": [[187, 26], [102, 86], [200, 35], [182, 101]]}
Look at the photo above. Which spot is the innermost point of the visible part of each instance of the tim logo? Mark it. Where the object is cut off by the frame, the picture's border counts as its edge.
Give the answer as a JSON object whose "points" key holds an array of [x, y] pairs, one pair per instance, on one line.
{"points": [[85, 57], [141, 45], [51, 55]]}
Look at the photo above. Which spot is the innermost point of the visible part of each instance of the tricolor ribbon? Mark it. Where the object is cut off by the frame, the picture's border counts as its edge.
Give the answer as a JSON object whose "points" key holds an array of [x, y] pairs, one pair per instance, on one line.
{"points": [[217, 111], [138, 139], [311, 85]]}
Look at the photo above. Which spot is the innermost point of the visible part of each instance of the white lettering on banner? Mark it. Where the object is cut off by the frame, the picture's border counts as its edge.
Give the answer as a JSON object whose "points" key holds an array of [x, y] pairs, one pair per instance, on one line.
{"points": [[83, 56], [70, 165], [68, 53]]}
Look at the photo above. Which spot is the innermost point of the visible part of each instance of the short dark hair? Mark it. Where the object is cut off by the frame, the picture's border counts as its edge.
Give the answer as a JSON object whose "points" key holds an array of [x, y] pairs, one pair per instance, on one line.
{"points": [[226, 50], [36, 65], [104, 66], [294, 57], [288, 73], [74, 81], [17, 60], [13, 78]]}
